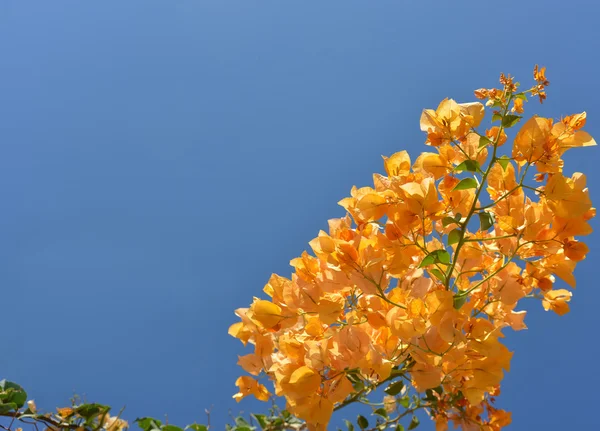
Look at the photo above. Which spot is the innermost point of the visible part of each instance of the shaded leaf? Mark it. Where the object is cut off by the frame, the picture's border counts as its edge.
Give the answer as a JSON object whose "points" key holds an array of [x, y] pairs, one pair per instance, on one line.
{"points": [[413, 423], [454, 236], [459, 300], [381, 412], [439, 274], [394, 388], [446, 221], [468, 165], [510, 120], [486, 220], [362, 422], [484, 141]]}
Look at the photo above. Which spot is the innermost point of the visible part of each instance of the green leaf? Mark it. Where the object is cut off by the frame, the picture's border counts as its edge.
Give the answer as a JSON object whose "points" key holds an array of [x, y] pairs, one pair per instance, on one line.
{"points": [[198, 427], [437, 256], [381, 412], [13, 393], [486, 220], [240, 423], [447, 221], [439, 390], [484, 141], [496, 117], [427, 260], [358, 385], [395, 388], [466, 183], [171, 428], [468, 165], [503, 161], [458, 217], [147, 424], [443, 257], [413, 423], [521, 96], [405, 401], [510, 120], [439, 274], [90, 411], [9, 407], [429, 396], [261, 419], [349, 425], [459, 300], [454, 236], [399, 427], [362, 422]]}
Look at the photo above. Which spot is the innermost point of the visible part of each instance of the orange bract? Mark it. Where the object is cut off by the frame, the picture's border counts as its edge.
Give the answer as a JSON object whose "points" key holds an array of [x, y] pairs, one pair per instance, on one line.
{"points": [[407, 285]]}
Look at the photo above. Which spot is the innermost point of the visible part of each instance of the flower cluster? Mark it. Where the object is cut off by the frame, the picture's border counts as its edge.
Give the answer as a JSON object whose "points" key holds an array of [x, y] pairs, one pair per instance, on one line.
{"points": [[420, 278]]}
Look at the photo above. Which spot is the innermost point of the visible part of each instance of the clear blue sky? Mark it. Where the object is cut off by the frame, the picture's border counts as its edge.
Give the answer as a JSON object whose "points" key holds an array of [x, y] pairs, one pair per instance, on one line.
{"points": [[160, 159]]}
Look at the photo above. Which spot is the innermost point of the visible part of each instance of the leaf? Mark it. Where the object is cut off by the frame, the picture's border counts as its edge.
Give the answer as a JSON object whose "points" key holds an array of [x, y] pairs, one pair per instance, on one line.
{"points": [[17, 394], [90, 411], [468, 165], [171, 428], [394, 388], [496, 117], [147, 424], [362, 422], [466, 183], [446, 221], [458, 217], [413, 423], [381, 412], [437, 256], [454, 236], [521, 96], [399, 427], [503, 161], [429, 396], [484, 141], [443, 256], [261, 419], [486, 220], [459, 300], [13, 394], [510, 120], [405, 401], [240, 421], [349, 425], [198, 427], [5, 408], [439, 274], [427, 260]]}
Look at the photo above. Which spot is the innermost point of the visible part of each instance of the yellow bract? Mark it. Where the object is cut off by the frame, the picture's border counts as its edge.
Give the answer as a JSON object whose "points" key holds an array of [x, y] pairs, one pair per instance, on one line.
{"points": [[428, 267]]}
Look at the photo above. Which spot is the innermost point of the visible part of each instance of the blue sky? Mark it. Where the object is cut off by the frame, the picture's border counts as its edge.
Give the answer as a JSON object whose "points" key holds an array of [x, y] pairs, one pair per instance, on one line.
{"points": [[160, 159]]}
